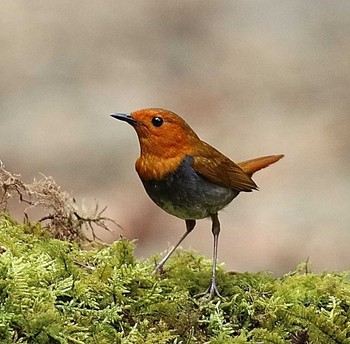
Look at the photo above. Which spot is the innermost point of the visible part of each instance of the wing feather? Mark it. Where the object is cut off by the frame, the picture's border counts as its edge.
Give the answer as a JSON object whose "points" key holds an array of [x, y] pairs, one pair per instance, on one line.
{"points": [[219, 169]]}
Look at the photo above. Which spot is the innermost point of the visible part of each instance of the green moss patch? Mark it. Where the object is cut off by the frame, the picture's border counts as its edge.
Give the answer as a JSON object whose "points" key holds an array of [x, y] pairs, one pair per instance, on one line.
{"points": [[52, 291]]}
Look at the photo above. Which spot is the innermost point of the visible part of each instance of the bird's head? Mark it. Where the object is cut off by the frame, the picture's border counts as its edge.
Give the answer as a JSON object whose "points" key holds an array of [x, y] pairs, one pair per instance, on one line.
{"points": [[161, 133]]}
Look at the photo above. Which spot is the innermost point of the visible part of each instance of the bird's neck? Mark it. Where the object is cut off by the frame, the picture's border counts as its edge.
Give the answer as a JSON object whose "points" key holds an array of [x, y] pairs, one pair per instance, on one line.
{"points": [[160, 157], [152, 167]]}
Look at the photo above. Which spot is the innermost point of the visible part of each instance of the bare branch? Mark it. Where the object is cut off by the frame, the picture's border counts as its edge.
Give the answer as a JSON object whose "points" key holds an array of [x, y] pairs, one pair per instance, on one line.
{"points": [[62, 218]]}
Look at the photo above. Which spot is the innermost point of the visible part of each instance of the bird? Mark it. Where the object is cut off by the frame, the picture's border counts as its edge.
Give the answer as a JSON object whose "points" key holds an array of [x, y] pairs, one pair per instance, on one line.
{"points": [[187, 177]]}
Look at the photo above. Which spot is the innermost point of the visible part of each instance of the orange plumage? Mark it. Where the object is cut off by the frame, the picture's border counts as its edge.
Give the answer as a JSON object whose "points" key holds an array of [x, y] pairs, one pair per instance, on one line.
{"points": [[185, 176]]}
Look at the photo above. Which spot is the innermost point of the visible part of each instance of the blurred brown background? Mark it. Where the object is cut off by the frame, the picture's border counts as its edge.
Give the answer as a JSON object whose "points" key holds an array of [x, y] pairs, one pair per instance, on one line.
{"points": [[252, 78]]}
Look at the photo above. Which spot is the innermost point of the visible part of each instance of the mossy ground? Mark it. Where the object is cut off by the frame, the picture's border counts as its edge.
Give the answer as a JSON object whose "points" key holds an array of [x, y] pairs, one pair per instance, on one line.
{"points": [[52, 291]]}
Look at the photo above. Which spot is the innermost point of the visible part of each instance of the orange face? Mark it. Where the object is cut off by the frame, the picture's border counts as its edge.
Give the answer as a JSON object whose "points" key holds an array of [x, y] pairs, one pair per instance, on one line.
{"points": [[163, 133], [165, 139]]}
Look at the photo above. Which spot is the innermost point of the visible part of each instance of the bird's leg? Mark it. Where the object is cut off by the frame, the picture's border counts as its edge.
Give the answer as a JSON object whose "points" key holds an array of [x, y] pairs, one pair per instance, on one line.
{"points": [[213, 289], [190, 224]]}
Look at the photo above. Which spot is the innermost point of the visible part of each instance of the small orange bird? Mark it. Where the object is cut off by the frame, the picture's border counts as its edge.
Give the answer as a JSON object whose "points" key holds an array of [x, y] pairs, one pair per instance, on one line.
{"points": [[187, 177]]}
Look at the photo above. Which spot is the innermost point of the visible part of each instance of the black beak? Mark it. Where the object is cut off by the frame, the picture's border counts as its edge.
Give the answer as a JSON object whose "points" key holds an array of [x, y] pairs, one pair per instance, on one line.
{"points": [[126, 117]]}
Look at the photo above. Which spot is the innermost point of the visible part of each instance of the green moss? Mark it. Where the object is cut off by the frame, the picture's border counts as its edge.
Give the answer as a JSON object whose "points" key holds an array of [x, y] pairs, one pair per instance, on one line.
{"points": [[53, 291]]}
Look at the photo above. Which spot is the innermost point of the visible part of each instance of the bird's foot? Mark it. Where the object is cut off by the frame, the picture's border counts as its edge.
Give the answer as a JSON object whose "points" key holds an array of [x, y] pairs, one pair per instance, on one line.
{"points": [[158, 269], [211, 292]]}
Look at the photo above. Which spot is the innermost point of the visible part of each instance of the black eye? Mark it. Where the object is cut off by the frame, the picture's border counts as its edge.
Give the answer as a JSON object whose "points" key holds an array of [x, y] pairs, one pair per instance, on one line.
{"points": [[157, 121]]}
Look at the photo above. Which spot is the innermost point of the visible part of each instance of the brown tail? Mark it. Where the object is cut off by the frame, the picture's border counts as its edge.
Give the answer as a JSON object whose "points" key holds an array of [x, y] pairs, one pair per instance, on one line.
{"points": [[253, 165]]}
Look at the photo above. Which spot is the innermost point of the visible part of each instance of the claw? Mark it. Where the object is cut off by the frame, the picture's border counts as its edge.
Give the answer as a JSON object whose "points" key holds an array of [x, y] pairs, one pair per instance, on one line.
{"points": [[211, 292]]}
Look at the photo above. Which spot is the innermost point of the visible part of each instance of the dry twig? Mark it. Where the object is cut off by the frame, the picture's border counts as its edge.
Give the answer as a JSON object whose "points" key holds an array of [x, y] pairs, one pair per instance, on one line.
{"points": [[62, 218]]}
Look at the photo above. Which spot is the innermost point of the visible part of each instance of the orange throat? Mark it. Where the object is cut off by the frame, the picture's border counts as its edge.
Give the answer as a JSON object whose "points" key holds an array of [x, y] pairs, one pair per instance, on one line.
{"points": [[150, 167]]}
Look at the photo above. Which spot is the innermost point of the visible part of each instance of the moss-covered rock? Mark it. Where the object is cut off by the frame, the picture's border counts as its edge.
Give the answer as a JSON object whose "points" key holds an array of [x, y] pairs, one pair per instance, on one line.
{"points": [[53, 291]]}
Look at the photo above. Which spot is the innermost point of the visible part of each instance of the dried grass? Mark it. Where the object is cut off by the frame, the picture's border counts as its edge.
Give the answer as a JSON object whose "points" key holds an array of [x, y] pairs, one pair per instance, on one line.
{"points": [[61, 217]]}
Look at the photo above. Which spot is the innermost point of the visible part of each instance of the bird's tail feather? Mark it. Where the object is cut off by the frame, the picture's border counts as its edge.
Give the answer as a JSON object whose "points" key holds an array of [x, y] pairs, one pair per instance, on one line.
{"points": [[253, 165]]}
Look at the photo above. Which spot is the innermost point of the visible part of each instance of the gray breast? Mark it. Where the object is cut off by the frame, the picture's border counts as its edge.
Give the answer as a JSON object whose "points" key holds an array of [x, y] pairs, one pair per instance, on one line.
{"points": [[187, 195]]}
